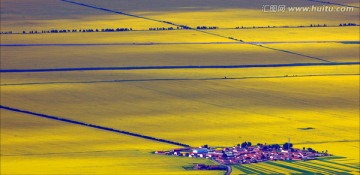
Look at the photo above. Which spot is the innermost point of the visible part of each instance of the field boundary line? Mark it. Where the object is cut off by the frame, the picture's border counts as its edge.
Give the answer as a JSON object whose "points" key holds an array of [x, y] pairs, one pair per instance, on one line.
{"points": [[176, 67]]}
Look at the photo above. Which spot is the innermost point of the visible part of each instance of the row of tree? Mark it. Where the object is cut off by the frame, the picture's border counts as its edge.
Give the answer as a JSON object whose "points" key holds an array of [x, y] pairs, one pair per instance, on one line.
{"points": [[207, 27], [80, 30], [182, 27], [244, 144], [348, 24], [311, 25], [317, 25], [7, 32], [161, 28]]}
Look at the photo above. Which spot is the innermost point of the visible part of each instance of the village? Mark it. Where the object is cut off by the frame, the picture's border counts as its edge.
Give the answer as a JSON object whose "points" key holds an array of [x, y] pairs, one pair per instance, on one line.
{"points": [[246, 153]]}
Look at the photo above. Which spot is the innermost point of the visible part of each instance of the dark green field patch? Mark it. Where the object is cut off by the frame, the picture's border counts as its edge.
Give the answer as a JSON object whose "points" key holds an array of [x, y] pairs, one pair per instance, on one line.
{"points": [[247, 170], [333, 167], [260, 169], [308, 128], [351, 42], [188, 167], [328, 170], [357, 168], [302, 171]]}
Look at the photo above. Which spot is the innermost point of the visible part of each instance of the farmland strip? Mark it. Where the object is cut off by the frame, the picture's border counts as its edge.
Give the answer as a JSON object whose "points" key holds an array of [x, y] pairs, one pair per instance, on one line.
{"points": [[178, 79], [329, 168], [176, 67], [302, 170], [326, 169]]}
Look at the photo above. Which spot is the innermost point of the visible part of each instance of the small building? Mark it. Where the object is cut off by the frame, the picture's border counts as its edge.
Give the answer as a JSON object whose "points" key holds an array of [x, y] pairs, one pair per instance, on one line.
{"points": [[200, 151]]}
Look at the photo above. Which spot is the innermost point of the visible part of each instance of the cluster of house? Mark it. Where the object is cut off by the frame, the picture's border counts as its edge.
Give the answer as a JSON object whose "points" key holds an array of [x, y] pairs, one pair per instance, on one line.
{"points": [[246, 154]]}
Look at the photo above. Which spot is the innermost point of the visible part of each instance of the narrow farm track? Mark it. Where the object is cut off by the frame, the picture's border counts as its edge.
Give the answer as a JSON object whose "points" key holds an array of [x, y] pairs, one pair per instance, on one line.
{"points": [[175, 67], [92, 126], [189, 28], [173, 79]]}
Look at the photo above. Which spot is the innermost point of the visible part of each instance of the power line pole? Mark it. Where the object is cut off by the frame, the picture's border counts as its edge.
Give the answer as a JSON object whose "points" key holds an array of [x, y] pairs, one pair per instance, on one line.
{"points": [[289, 150]]}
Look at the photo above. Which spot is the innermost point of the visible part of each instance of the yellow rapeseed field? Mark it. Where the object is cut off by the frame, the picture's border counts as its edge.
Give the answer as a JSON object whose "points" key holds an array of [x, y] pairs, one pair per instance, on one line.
{"points": [[334, 52], [263, 109], [144, 55], [294, 34], [42, 146], [215, 106]]}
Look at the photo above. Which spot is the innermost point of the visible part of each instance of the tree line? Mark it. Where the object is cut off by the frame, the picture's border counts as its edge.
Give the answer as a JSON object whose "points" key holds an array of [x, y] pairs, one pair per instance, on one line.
{"points": [[311, 25], [78, 30], [181, 27]]}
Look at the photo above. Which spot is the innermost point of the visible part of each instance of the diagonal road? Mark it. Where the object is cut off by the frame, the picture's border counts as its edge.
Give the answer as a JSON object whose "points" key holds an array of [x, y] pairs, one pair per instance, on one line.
{"points": [[92, 126], [333, 3], [187, 27]]}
